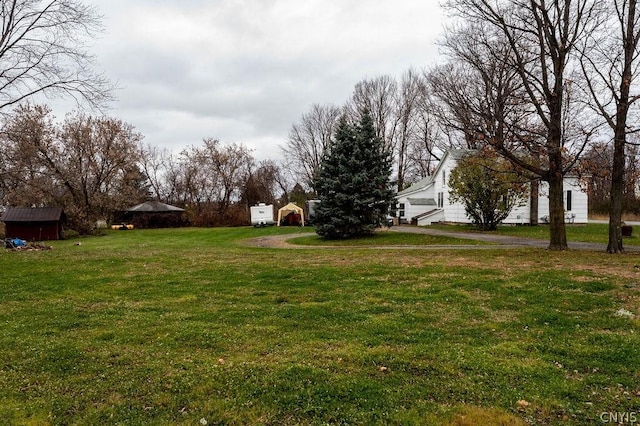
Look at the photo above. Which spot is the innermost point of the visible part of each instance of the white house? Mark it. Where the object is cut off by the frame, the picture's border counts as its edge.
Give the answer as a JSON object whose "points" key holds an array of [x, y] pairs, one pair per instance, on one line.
{"points": [[427, 201]]}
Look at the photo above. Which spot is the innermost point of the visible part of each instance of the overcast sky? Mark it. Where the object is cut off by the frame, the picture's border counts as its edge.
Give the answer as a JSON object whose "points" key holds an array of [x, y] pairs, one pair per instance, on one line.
{"points": [[245, 70]]}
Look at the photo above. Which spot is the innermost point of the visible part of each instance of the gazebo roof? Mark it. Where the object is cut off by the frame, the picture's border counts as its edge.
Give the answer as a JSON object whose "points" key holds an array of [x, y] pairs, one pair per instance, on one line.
{"points": [[154, 207]]}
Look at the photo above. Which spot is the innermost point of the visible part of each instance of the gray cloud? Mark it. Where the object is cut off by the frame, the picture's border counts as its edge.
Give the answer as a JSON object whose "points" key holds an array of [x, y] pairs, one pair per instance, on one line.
{"points": [[245, 71]]}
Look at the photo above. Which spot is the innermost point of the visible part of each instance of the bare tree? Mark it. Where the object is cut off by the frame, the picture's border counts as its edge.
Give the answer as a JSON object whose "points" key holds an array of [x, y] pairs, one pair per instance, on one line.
{"points": [[309, 139], [542, 36], [96, 160], [209, 180], [265, 183], [43, 51], [483, 98], [379, 96], [462, 101], [400, 120], [407, 119], [191, 185], [24, 178], [595, 166], [231, 164], [610, 63], [429, 139], [400, 117], [87, 165], [155, 164]]}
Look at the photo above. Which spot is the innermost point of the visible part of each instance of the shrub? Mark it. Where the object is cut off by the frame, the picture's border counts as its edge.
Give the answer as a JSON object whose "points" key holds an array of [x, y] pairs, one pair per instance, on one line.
{"points": [[69, 234]]}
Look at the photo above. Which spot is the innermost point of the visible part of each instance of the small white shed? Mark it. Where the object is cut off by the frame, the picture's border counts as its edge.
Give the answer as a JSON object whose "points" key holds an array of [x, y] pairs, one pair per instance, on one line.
{"points": [[262, 215]]}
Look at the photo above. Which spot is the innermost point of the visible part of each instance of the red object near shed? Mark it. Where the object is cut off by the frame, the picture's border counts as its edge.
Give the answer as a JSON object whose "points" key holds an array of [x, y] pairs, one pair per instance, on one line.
{"points": [[33, 223]]}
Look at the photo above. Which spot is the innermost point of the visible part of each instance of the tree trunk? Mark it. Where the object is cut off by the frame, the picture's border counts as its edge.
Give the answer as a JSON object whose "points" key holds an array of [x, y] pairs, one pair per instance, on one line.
{"points": [[401, 168], [617, 190], [558, 234], [555, 176], [533, 202], [620, 133]]}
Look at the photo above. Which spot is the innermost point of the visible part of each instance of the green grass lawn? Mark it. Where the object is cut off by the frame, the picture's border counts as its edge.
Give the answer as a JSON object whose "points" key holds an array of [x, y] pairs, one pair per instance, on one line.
{"points": [[384, 238], [590, 233], [192, 325]]}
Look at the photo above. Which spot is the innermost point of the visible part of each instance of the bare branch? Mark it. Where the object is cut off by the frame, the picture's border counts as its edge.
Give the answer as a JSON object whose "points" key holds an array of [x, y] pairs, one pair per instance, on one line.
{"points": [[44, 51]]}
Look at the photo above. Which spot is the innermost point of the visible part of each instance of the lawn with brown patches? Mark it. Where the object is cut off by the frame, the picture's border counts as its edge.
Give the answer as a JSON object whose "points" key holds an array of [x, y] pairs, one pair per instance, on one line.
{"points": [[175, 326]]}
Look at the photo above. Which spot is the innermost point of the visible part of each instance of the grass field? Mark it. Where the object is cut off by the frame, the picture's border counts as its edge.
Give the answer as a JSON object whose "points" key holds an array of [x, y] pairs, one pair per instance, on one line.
{"points": [[383, 238], [591, 233], [193, 326]]}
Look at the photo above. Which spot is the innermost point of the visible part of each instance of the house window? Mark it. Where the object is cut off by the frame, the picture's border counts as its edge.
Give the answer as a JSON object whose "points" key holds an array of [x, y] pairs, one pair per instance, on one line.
{"points": [[440, 200], [569, 201], [401, 210], [444, 177]]}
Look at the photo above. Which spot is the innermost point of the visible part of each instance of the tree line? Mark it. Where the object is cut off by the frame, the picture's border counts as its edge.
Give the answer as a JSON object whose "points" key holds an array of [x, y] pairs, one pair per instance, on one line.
{"points": [[215, 182], [94, 167]]}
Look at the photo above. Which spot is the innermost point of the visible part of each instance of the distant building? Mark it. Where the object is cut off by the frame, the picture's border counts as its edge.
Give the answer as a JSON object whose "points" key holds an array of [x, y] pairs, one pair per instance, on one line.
{"points": [[153, 214], [427, 201], [34, 223]]}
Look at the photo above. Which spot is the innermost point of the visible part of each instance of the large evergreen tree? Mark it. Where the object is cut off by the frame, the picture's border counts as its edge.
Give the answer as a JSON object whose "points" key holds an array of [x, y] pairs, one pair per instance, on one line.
{"points": [[353, 181]]}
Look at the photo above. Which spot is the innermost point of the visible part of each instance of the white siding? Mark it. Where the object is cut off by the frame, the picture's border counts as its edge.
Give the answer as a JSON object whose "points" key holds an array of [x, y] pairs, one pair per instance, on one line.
{"points": [[579, 200], [412, 211], [455, 212], [431, 219]]}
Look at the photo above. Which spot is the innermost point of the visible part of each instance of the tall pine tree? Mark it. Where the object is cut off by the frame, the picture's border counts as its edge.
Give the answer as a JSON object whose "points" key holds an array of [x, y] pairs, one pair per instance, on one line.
{"points": [[353, 182]]}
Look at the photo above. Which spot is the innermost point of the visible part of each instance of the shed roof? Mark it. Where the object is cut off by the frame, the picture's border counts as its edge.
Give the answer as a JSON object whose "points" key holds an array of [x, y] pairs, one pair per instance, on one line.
{"points": [[32, 214], [291, 207], [422, 201], [154, 207]]}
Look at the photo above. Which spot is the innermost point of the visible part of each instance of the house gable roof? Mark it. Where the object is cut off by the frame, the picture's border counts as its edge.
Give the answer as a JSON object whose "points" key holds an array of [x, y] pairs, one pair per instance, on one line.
{"points": [[32, 214], [456, 154], [429, 180], [418, 186]]}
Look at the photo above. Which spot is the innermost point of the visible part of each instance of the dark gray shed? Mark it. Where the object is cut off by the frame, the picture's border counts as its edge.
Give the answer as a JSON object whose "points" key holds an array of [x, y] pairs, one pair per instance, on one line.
{"points": [[154, 214]]}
